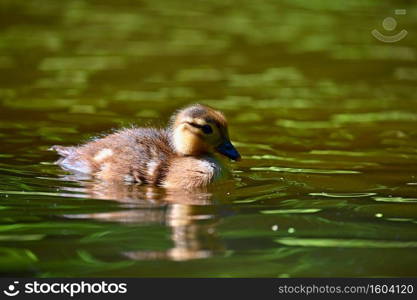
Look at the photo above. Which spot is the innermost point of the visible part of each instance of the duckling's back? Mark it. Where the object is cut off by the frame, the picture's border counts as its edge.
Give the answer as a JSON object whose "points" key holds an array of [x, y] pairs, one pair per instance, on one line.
{"points": [[136, 154]]}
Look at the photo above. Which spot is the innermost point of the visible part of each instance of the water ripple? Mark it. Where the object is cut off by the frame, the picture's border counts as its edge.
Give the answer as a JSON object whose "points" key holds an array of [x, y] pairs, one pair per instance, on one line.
{"points": [[301, 170], [343, 195], [345, 243]]}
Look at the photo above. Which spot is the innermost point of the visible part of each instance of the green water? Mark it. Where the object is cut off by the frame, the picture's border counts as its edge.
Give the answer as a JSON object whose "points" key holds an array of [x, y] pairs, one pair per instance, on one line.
{"points": [[324, 115]]}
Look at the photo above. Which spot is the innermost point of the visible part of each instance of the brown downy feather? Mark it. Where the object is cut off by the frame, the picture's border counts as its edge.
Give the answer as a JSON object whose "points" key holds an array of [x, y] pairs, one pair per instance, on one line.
{"points": [[154, 156]]}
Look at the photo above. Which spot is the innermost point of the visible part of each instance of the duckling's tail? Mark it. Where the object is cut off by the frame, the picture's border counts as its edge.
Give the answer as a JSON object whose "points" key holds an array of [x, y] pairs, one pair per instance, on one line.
{"points": [[63, 151], [71, 159]]}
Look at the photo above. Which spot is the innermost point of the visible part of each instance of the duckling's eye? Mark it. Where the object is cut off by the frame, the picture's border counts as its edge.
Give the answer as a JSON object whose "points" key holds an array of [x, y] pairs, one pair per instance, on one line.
{"points": [[207, 129]]}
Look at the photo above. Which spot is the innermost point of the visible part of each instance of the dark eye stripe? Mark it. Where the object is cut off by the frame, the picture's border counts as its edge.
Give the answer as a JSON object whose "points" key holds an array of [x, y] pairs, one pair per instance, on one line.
{"points": [[205, 128]]}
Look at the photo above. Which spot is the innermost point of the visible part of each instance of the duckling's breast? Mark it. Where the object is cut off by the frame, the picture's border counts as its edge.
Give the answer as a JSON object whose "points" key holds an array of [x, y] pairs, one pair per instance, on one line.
{"points": [[190, 172]]}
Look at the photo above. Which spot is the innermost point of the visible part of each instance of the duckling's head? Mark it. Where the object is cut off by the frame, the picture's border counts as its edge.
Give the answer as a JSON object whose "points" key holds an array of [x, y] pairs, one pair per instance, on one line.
{"points": [[199, 129]]}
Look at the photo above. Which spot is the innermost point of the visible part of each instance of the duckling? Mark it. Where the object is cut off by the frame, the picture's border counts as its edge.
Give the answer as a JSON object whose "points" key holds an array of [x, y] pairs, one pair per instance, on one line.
{"points": [[179, 156]]}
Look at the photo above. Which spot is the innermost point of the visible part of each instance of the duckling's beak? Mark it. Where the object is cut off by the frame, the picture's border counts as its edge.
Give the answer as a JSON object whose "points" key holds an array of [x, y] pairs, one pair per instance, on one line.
{"points": [[227, 149]]}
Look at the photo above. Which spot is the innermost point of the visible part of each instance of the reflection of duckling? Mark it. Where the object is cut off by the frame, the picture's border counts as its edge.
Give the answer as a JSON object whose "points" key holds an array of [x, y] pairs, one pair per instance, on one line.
{"points": [[189, 215], [178, 156]]}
